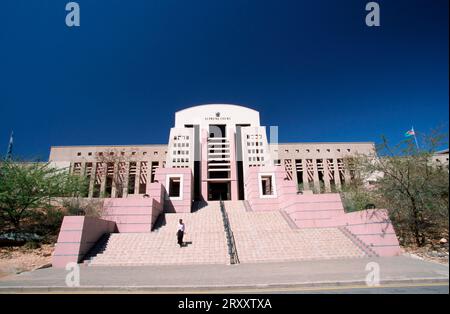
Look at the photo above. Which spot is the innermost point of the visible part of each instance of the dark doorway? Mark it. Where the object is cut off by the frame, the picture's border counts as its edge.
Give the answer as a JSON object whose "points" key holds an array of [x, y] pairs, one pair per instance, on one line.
{"points": [[174, 187], [217, 130], [239, 163], [197, 161], [219, 191]]}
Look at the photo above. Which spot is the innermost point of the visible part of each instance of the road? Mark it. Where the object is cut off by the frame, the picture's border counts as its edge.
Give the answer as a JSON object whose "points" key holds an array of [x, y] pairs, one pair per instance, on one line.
{"points": [[419, 288], [438, 288], [398, 275]]}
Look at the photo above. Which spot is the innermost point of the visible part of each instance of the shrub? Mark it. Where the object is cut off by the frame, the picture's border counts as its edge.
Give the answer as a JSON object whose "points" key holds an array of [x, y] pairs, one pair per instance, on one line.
{"points": [[83, 207], [32, 245]]}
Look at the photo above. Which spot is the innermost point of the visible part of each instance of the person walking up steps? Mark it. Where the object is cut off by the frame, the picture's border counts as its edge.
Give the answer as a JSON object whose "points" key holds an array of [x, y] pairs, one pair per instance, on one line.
{"points": [[180, 233]]}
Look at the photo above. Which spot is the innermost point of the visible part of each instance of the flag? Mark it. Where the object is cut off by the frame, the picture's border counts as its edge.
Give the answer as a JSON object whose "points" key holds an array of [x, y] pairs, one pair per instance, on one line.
{"points": [[410, 133], [10, 147]]}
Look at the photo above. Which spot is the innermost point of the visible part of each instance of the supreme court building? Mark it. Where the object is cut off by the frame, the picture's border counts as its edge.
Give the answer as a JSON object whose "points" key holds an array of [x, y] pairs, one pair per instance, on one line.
{"points": [[219, 152], [218, 143]]}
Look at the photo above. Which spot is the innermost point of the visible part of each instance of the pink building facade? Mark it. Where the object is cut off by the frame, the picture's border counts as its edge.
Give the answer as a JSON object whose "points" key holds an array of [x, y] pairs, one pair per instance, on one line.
{"points": [[217, 152]]}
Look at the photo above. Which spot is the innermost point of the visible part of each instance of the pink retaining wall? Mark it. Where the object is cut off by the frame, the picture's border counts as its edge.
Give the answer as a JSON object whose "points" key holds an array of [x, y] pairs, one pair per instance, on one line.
{"points": [[184, 204], [372, 227], [135, 214], [77, 236]]}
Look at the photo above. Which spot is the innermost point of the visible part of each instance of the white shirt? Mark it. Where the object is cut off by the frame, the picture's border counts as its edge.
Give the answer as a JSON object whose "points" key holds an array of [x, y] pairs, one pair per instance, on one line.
{"points": [[181, 227]]}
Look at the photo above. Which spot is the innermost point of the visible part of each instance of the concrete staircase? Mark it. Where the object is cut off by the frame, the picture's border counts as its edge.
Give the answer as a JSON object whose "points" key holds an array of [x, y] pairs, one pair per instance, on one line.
{"points": [[364, 247], [261, 236], [267, 236], [205, 238]]}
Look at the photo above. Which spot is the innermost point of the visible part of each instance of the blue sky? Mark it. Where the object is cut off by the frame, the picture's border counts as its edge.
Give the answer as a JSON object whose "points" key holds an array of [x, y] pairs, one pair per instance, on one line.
{"points": [[311, 67]]}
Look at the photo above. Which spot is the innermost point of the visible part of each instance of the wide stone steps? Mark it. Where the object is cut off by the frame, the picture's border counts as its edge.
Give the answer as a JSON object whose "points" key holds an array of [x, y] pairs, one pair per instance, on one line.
{"points": [[268, 237], [259, 236], [205, 242]]}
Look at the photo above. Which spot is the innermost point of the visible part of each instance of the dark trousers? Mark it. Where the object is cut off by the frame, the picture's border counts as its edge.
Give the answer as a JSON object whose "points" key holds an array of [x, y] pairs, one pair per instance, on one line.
{"points": [[180, 235]]}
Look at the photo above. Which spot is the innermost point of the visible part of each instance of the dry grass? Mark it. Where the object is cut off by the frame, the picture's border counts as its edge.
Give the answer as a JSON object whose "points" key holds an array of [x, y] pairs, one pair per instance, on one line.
{"points": [[15, 260]]}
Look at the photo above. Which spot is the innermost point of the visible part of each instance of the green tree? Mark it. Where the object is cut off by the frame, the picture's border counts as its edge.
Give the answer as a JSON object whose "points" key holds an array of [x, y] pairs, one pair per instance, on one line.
{"points": [[403, 179], [357, 196], [28, 186]]}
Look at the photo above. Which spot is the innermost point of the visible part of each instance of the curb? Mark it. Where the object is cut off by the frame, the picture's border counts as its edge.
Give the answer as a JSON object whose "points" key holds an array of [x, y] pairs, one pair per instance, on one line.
{"points": [[220, 288]]}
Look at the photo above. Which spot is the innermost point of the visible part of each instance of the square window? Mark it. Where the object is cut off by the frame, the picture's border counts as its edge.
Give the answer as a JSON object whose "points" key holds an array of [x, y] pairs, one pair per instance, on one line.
{"points": [[267, 185], [79, 154], [174, 185]]}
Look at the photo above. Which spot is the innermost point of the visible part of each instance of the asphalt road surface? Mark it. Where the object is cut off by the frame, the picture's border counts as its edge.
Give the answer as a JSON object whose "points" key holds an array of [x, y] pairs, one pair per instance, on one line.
{"points": [[424, 288], [406, 289]]}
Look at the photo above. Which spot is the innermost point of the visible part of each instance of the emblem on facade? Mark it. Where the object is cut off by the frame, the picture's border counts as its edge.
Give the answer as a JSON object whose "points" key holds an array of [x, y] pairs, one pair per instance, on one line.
{"points": [[217, 114]]}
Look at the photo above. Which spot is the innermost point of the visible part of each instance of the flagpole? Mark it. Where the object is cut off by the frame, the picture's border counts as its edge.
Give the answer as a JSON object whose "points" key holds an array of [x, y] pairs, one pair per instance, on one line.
{"points": [[415, 138], [10, 147]]}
